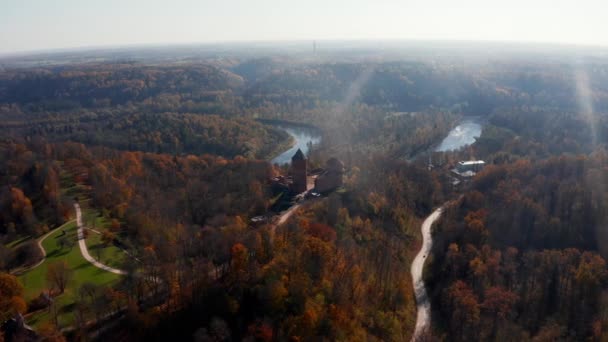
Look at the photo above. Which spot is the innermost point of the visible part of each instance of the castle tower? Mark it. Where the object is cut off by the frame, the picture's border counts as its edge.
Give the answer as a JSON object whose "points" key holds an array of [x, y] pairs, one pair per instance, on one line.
{"points": [[298, 171]]}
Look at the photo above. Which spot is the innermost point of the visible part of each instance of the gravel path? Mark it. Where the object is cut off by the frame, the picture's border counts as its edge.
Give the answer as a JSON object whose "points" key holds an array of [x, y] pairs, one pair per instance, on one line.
{"points": [[423, 305], [83, 246]]}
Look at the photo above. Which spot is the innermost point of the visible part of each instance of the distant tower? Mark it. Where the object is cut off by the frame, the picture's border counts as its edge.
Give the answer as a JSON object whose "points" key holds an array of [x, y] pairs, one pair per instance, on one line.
{"points": [[298, 172], [314, 47]]}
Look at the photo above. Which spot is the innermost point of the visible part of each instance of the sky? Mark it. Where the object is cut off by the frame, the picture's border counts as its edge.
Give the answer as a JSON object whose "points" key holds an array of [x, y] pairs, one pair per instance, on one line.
{"points": [[27, 25]]}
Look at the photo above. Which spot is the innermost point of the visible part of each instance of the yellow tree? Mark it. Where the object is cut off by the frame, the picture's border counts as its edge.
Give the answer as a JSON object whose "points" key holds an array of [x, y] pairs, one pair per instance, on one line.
{"points": [[11, 296]]}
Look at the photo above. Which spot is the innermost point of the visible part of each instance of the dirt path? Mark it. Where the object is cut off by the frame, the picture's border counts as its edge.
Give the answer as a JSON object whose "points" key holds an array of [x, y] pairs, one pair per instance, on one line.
{"points": [[423, 306], [42, 250], [83, 246]]}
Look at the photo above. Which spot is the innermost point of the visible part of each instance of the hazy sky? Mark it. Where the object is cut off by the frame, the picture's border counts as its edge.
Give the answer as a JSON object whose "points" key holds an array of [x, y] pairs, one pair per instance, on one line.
{"points": [[49, 24]]}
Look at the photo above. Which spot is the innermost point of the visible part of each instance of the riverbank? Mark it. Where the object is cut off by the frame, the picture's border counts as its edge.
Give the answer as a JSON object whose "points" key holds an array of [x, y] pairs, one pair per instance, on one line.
{"points": [[467, 131], [278, 122], [281, 148], [303, 137], [436, 146]]}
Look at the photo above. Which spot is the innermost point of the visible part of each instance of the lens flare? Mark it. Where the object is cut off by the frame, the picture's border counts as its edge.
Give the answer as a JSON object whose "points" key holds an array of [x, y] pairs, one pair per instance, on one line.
{"points": [[585, 99], [354, 90]]}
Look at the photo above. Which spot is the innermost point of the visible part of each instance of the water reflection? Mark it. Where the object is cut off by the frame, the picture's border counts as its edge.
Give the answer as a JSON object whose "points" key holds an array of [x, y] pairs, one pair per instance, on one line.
{"points": [[462, 135], [304, 137]]}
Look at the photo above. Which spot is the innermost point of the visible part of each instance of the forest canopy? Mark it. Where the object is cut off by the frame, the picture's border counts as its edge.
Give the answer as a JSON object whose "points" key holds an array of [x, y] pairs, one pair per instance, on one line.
{"points": [[170, 164]]}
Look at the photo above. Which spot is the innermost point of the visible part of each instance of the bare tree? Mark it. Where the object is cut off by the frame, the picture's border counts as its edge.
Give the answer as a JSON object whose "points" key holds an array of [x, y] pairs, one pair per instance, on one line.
{"points": [[58, 274], [65, 242]]}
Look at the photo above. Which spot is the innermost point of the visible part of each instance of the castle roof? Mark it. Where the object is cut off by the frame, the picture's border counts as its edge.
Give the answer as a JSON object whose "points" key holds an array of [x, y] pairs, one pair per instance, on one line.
{"points": [[298, 156]]}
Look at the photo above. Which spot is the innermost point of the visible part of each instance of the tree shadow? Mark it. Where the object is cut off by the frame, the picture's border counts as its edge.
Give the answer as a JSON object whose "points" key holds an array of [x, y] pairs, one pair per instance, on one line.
{"points": [[96, 246], [58, 253], [82, 265], [67, 308]]}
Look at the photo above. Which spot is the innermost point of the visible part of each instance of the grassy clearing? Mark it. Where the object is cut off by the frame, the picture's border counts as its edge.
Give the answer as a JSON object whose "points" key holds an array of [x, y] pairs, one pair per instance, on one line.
{"points": [[105, 253], [72, 189], [35, 281]]}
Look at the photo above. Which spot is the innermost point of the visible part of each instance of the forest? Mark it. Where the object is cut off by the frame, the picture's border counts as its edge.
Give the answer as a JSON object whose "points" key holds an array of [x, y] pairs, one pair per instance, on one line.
{"points": [[520, 253], [170, 163]]}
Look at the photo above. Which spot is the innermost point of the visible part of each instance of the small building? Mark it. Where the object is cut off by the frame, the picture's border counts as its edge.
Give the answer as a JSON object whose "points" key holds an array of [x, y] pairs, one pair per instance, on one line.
{"points": [[331, 178], [468, 169], [15, 329], [258, 221], [471, 165]]}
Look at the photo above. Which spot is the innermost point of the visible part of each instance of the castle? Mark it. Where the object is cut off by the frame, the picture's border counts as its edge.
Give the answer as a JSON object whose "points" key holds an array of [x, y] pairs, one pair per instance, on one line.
{"points": [[299, 172], [326, 180]]}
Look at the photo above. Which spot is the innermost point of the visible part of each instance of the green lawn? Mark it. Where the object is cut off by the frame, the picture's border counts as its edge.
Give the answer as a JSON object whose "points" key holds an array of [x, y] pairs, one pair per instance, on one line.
{"points": [[106, 254], [92, 219], [35, 281]]}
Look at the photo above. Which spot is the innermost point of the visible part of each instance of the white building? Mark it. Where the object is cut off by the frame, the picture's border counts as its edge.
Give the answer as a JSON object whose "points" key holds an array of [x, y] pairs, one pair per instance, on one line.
{"points": [[468, 169], [471, 165]]}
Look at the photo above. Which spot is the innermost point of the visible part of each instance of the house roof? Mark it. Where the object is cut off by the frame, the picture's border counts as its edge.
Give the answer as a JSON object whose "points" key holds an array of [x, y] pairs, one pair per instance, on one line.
{"points": [[298, 156], [472, 162]]}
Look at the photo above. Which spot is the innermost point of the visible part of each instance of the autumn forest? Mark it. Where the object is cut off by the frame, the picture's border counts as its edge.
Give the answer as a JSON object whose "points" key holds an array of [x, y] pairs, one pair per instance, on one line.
{"points": [[159, 166]]}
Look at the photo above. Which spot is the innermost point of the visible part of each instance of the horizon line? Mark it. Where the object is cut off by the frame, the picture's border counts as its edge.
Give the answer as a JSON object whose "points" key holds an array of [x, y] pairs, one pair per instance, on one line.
{"points": [[84, 48]]}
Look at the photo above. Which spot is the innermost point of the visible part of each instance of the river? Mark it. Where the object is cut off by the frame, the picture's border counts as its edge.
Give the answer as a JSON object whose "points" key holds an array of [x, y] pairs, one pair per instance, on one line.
{"points": [[466, 133], [304, 137], [460, 136]]}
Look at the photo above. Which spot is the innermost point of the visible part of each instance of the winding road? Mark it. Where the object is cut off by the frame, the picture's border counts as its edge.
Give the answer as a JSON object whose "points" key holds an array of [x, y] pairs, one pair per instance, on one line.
{"points": [[423, 306], [39, 242], [283, 218], [83, 246], [85, 251]]}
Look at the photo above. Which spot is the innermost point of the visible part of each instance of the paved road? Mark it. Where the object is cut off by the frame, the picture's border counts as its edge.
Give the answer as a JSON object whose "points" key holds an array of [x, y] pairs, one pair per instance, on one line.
{"points": [[83, 246], [286, 215], [423, 318], [42, 250], [39, 243]]}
